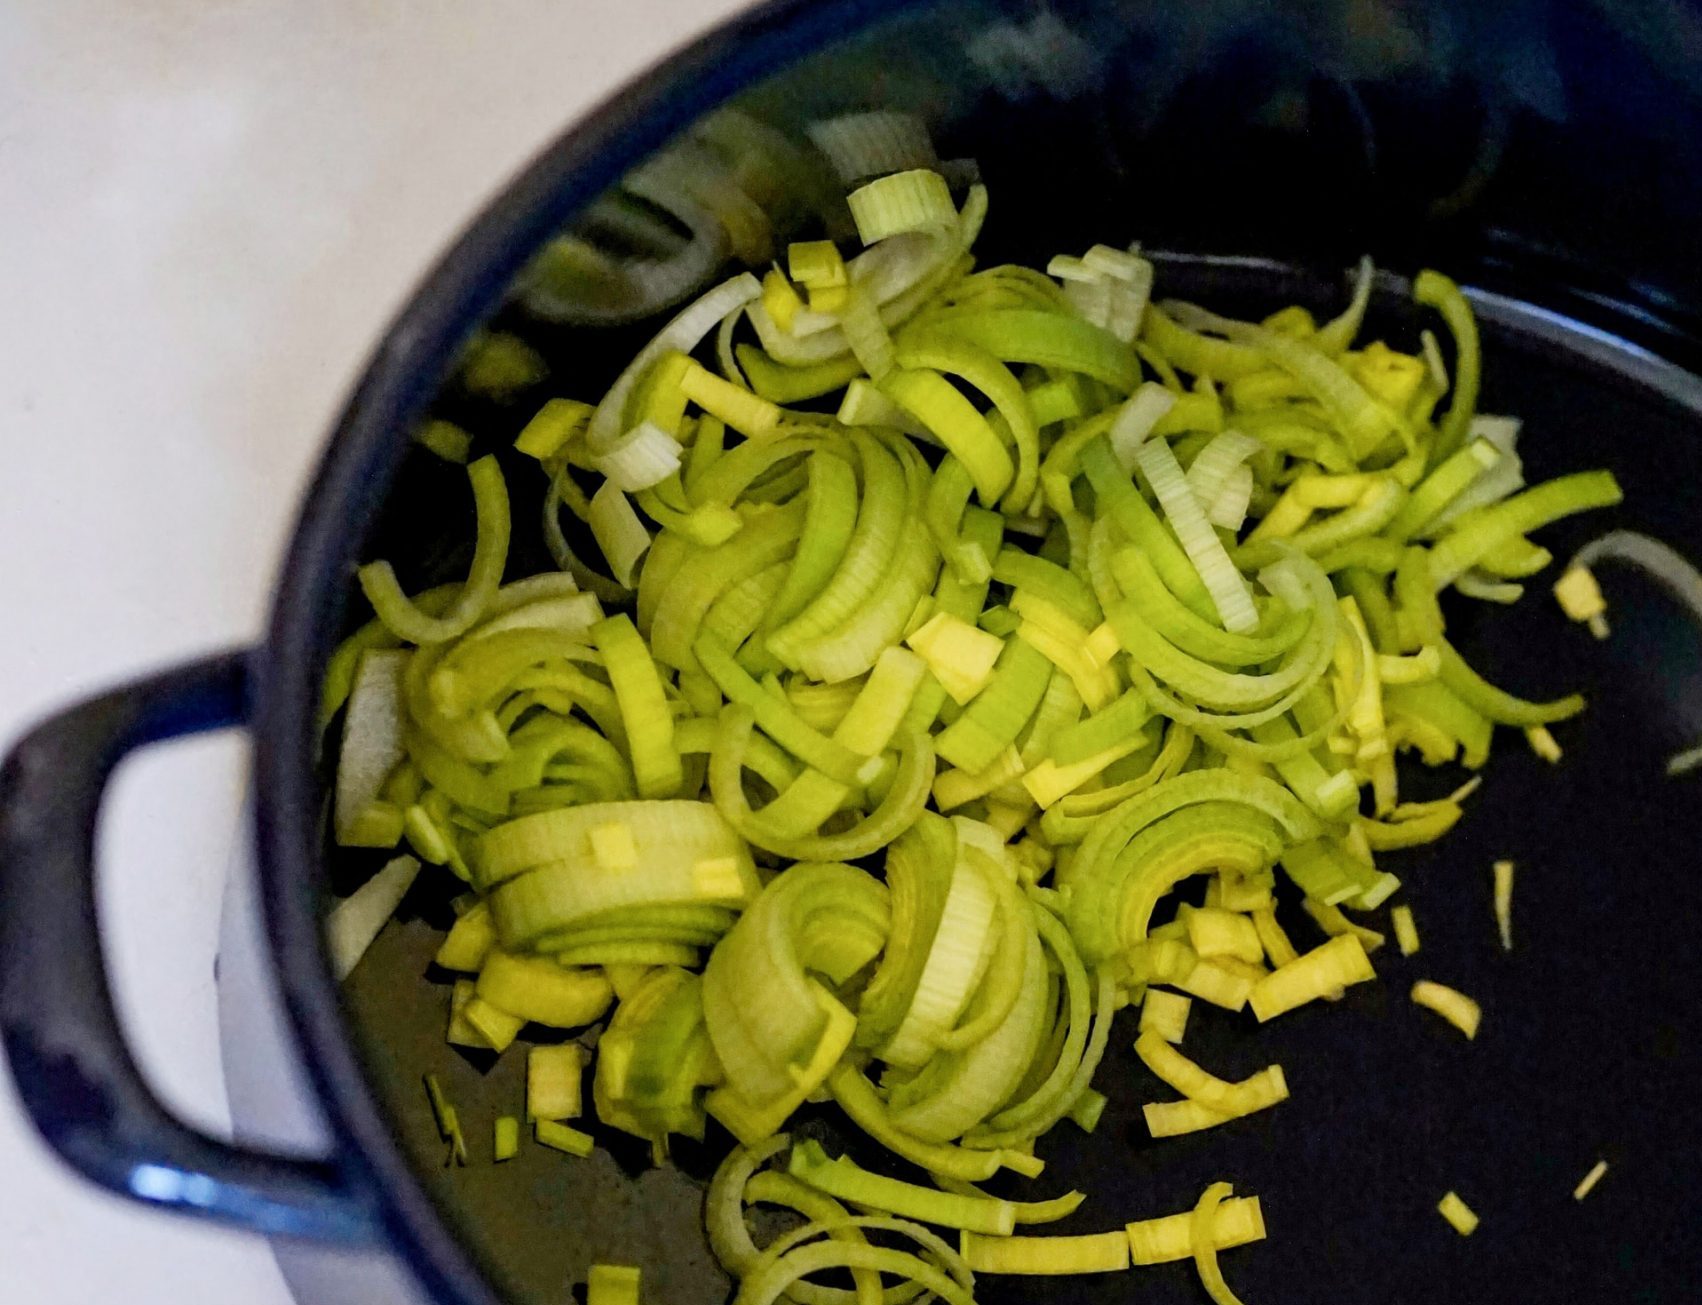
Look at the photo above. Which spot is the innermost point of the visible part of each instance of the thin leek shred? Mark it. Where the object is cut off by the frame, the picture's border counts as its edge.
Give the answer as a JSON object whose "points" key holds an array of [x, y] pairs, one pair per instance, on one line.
{"points": [[1587, 1184], [1503, 874], [938, 624]]}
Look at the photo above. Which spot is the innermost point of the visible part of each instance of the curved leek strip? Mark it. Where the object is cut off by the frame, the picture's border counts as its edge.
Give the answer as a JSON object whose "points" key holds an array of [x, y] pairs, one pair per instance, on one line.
{"points": [[1474, 538], [971, 1084], [830, 515], [1204, 683], [780, 383], [859, 1100], [936, 351], [1084, 1253], [1434, 290], [847, 1181], [405, 619], [1176, 1070], [1263, 1090], [1048, 339], [1496, 704], [991, 722], [942, 408], [770, 1278], [1337, 334], [1051, 1100], [868, 557], [1373, 510], [776, 717], [691, 830], [1042, 1118], [1362, 420], [644, 707], [1111, 837], [1110, 905], [1202, 1234], [919, 867], [1197, 354], [866, 727], [1059, 1207], [682, 334], [1070, 819], [898, 810], [768, 537], [1205, 550], [619, 532], [764, 1011], [774, 1188], [1057, 585], [723, 1205], [853, 647], [956, 962], [1455, 1007], [1193, 633]]}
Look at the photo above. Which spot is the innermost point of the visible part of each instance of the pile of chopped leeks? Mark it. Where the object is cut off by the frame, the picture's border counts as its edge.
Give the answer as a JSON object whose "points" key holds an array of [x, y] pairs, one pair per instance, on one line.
{"points": [[941, 630]]}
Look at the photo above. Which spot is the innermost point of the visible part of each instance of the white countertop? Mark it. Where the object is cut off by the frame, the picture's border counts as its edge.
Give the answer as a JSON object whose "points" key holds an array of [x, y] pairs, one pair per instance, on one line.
{"points": [[208, 211]]}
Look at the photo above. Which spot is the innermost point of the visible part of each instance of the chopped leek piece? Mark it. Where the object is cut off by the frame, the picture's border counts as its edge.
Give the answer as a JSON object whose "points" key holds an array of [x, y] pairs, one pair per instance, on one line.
{"points": [[1455, 1007], [561, 1137], [1459, 1215], [1087, 1253], [355, 921], [470, 941], [1165, 1014], [505, 1138], [1543, 743], [1318, 973], [1587, 1184], [1503, 872], [915, 200], [1239, 1221], [1406, 929], [554, 1075], [1216, 932], [1580, 597], [612, 1284], [960, 656]]}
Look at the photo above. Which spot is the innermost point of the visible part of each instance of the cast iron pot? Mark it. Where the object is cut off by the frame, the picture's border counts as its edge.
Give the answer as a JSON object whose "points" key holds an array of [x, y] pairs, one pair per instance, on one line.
{"points": [[1546, 154]]}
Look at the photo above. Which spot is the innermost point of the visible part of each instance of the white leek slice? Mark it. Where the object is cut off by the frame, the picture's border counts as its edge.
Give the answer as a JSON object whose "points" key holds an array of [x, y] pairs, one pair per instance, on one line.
{"points": [[953, 968], [1136, 418], [356, 920], [1225, 583], [645, 456], [372, 740], [683, 333]]}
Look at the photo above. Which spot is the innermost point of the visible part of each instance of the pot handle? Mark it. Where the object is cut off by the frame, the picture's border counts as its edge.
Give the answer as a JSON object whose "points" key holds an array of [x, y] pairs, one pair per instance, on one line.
{"points": [[68, 1055]]}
